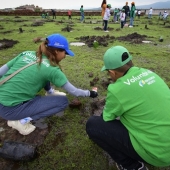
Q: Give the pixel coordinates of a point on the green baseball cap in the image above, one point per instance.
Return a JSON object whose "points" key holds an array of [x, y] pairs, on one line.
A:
{"points": [[109, 5], [113, 58]]}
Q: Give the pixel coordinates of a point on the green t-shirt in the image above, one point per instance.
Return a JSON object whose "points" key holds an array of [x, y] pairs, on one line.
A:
{"points": [[132, 11], [81, 10], [142, 100], [27, 83]]}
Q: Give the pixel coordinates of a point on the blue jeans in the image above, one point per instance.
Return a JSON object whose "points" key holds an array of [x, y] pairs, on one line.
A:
{"points": [[113, 137], [131, 21], [105, 25], [149, 16], [115, 18], [36, 108], [82, 16]]}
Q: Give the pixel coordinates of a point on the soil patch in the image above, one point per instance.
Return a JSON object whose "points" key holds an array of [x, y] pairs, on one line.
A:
{"points": [[105, 40], [5, 43], [99, 28], [167, 26], [133, 38], [68, 28], [101, 40]]}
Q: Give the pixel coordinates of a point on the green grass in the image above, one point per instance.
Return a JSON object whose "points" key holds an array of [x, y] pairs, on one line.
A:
{"points": [[67, 146]]}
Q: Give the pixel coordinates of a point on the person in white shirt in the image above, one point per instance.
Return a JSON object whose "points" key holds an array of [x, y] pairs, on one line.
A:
{"points": [[150, 13], [106, 17], [139, 12], [165, 15], [122, 18]]}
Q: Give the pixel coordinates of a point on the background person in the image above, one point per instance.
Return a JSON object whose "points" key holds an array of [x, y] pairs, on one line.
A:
{"points": [[165, 15], [103, 6], [127, 11], [81, 13], [135, 124], [132, 14], [19, 102], [53, 13], [122, 18], [150, 13], [118, 14], [115, 14], [139, 12], [69, 14], [106, 17]]}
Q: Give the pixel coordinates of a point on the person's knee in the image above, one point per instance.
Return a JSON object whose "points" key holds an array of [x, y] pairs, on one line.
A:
{"points": [[90, 122], [94, 126], [93, 122], [65, 101]]}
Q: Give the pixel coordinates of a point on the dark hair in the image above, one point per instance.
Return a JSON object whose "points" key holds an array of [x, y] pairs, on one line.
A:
{"points": [[104, 2]]}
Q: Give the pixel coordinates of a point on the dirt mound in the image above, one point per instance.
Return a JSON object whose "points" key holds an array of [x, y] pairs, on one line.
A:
{"points": [[99, 28], [133, 38], [105, 40], [102, 40], [5, 43], [68, 28]]}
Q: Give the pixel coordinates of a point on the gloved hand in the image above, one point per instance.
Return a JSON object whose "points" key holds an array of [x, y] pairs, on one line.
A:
{"points": [[93, 94]]}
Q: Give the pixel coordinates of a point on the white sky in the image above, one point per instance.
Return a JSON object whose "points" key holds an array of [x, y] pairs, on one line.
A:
{"points": [[72, 4]]}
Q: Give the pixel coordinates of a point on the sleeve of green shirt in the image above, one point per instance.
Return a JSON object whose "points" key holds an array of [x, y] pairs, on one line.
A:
{"points": [[112, 108]]}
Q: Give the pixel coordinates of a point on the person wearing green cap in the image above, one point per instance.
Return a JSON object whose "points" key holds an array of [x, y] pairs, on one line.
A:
{"points": [[81, 13], [106, 17], [135, 124]]}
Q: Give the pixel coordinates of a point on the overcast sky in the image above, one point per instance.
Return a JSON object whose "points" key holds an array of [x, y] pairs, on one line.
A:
{"points": [[71, 4]]}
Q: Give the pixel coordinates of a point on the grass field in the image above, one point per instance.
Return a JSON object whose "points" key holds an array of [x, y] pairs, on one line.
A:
{"points": [[72, 150]]}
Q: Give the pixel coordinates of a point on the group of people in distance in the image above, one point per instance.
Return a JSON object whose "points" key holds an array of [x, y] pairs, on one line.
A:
{"points": [[121, 15], [134, 125]]}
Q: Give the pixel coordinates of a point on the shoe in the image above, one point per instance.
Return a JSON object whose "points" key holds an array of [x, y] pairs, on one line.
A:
{"points": [[18, 151], [143, 167], [106, 31], [130, 26], [56, 93], [24, 129], [119, 167]]}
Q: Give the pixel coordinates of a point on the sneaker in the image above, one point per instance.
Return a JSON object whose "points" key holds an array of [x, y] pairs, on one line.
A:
{"points": [[55, 93], [23, 129], [143, 167], [130, 26], [119, 167], [106, 31]]}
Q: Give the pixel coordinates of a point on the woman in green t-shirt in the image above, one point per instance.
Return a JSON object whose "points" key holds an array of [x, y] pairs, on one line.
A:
{"points": [[19, 102]]}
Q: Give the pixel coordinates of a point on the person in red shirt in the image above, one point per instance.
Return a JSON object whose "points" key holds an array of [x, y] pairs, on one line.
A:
{"points": [[69, 14]]}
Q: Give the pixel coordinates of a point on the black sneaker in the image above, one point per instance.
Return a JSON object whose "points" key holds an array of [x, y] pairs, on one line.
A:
{"points": [[143, 167], [119, 167]]}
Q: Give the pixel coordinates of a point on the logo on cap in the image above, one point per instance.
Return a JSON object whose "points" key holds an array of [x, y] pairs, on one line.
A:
{"points": [[58, 44]]}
